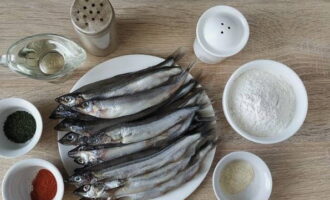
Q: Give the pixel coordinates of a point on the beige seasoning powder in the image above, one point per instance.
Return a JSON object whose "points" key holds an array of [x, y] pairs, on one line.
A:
{"points": [[236, 176]]}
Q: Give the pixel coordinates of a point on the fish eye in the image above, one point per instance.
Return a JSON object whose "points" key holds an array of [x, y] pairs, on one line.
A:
{"points": [[80, 161], [70, 137], [86, 187], [85, 104], [77, 179], [67, 99]]}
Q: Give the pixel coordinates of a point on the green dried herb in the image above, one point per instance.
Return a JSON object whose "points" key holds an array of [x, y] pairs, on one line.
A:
{"points": [[19, 127]]}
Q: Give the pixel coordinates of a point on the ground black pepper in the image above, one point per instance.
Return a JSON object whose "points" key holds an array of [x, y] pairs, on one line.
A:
{"points": [[20, 126]]}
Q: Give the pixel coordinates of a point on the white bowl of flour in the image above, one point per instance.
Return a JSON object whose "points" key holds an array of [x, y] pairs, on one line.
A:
{"points": [[265, 101]]}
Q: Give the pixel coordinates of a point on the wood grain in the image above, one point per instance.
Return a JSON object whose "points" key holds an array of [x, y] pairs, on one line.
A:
{"points": [[295, 32]]}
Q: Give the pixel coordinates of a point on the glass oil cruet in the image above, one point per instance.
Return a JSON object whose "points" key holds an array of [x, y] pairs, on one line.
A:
{"points": [[44, 56]]}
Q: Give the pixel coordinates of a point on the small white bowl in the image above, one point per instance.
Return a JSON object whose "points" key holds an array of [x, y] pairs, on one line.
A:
{"points": [[259, 189], [17, 183], [8, 106], [298, 88]]}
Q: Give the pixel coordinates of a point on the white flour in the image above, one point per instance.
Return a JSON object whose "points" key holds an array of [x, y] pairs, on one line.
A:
{"points": [[262, 103]]}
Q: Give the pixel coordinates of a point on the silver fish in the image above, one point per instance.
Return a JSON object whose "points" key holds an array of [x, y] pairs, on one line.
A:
{"points": [[150, 180], [175, 182], [149, 185], [70, 99], [172, 132], [63, 111], [82, 130], [121, 160], [144, 129], [95, 191], [88, 155], [133, 184], [72, 138], [136, 167], [130, 104], [169, 61], [86, 128], [145, 81]]}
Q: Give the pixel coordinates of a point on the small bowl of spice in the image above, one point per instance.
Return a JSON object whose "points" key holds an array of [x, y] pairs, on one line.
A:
{"points": [[21, 127], [34, 179], [242, 176]]}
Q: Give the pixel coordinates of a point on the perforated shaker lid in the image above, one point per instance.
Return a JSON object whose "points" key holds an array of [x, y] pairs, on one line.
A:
{"points": [[91, 16], [222, 31]]}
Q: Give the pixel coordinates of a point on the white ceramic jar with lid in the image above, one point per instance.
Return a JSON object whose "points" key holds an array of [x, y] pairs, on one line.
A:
{"points": [[221, 31]]}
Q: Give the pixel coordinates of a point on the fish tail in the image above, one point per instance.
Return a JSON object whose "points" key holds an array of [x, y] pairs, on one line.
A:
{"points": [[190, 66], [177, 54], [184, 74], [204, 105], [198, 76]]}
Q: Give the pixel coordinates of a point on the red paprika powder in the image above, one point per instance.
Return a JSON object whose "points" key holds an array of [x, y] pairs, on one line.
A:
{"points": [[44, 186]]}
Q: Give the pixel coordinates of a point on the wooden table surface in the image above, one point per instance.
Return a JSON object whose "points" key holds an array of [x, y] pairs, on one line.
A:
{"points": [[296, 33]]}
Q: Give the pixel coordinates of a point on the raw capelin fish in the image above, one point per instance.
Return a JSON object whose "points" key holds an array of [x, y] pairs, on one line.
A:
{"points": [[139, 82], [121, 160], [147, 180], [89, 155], [175, 129], [144, 129], [114, 85], [137, 183], [166, 173], [83, 130], [150, 185], [86, 128], [173, 183], [169, 154], [130, 104], [63, 111], [73, 138]]}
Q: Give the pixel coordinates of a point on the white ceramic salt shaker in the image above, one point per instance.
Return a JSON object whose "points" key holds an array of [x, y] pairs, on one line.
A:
{"points": [[221, 31]]}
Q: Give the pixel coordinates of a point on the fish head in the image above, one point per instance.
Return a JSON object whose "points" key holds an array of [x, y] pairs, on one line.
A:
{"points": [[71, 138], [96, 190], [87, 158], [86, 107], [77, 127], [74, 153], [82, 179], [64, 125], [58, 112], [83, 155], [70, 99], [70, 125]]}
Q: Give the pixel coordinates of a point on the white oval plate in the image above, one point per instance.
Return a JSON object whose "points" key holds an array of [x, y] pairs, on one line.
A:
{"points": [[120, 65]]}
